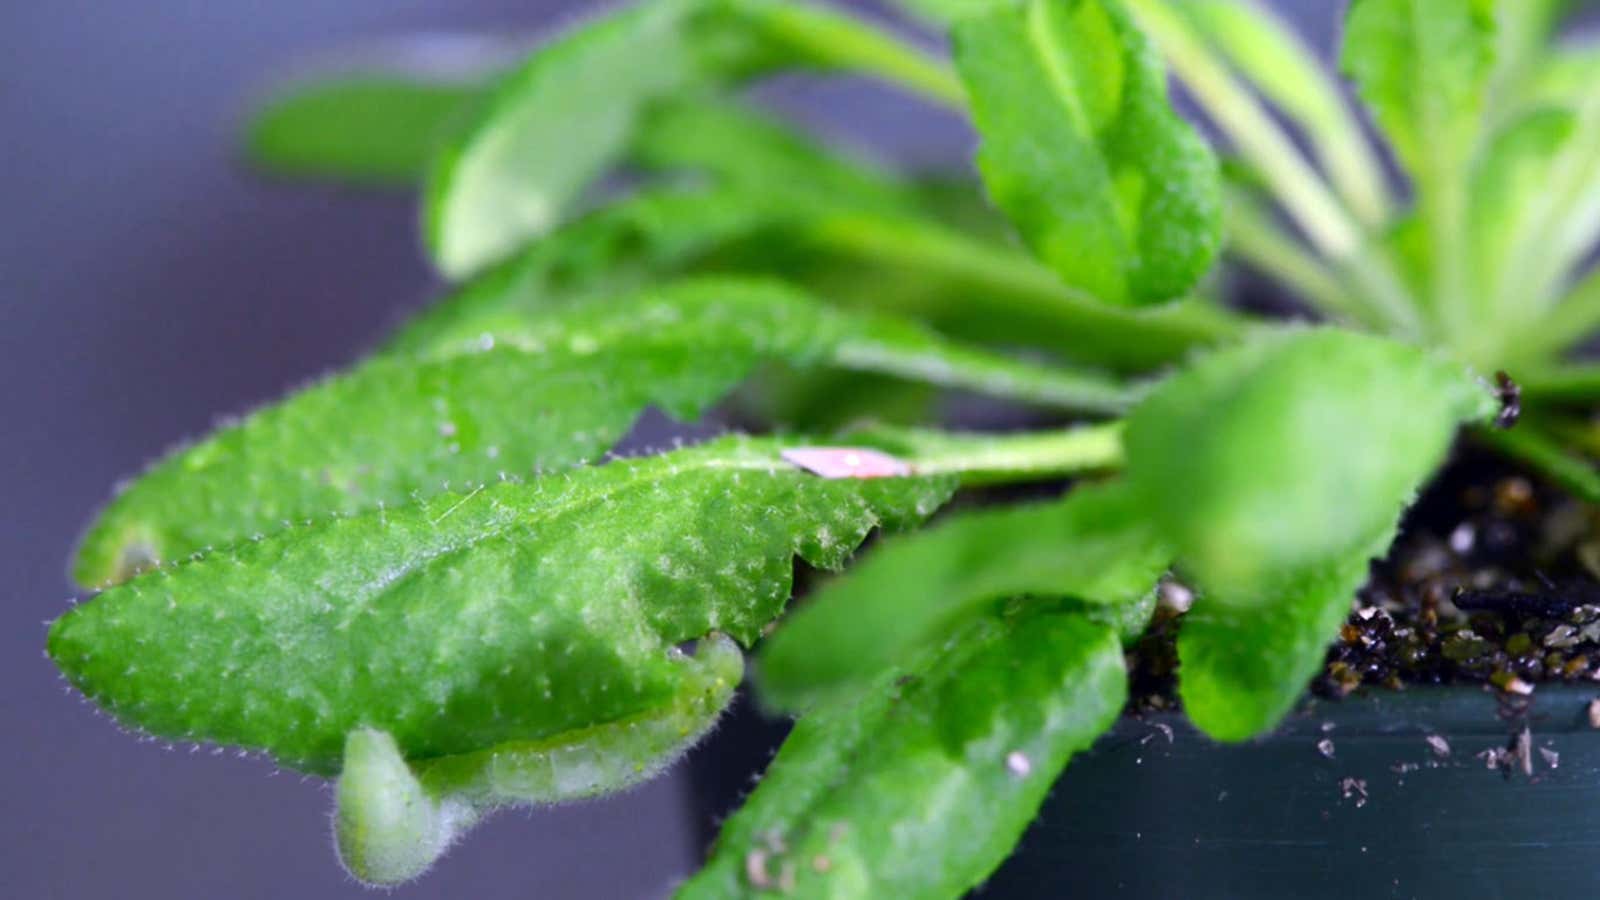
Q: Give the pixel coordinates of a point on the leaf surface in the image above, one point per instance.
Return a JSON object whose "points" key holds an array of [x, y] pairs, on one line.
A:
{"points": [[1278, 469], [921, 786], [1246, 660], [1523, 31], [515, 612]]}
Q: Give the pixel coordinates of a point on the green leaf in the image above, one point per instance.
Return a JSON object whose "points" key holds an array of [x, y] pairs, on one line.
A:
{"points": [[921, 786], [1080, 148], [367, 129], [1514, 169], [966, 286], [1422, 67], [551, 129], [1523, 29], [394, 821], [515, 612], [1546, 453], [992, 293], [627, 246], [1094, 546], [1549, 257], [1562, 75], [567, 116], [530, 392], [1245, 659], [1293, 452], [1278, 469], [1571, 321]]}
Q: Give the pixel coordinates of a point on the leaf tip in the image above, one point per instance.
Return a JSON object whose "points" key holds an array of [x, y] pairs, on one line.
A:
{"points": [[388, 828]]}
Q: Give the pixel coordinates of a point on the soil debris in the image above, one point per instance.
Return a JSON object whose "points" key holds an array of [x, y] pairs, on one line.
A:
{"points": [[1354, 789], [1509, 393], [1174, 596], [1522, 750], [1496, 758], [1018, 764], [755, 869], [1493, 580], [1162, 729]]}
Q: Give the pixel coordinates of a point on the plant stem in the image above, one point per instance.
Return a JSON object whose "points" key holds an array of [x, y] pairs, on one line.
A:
{"points": [[1016, 287], [1053, 386], [1574, 319], [1274, 60], [1563, 384], [837, 41], [993, 459], [1256, 239], [1374, 276], [1545, 454]]}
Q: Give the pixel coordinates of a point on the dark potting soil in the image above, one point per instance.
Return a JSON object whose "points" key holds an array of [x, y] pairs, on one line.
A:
{"points": [[1495, 579]]}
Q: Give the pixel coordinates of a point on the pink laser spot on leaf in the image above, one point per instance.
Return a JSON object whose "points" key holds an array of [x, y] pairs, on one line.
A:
{"points": [[847, 462]]}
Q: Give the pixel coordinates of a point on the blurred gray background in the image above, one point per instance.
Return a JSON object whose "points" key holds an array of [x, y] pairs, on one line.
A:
{"points": [[149, 285]]}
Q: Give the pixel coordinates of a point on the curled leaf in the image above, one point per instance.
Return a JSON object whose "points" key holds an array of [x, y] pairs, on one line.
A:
{"points": [[395, 818], [389, 829], [568, 115], [550, 129], [515, 612]]}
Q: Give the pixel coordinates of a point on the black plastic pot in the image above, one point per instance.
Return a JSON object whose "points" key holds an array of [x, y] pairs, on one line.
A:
{"points": [[1419, 793]]}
